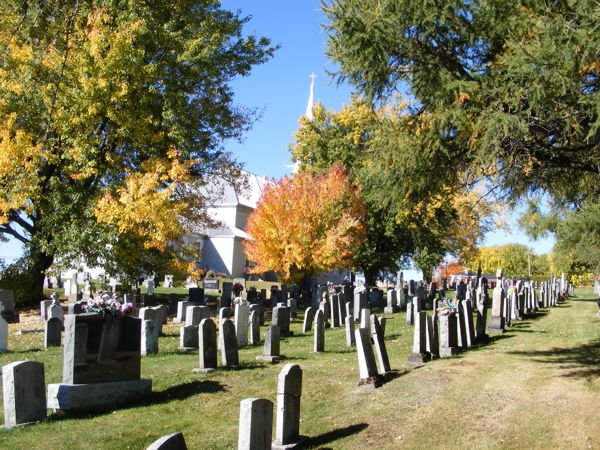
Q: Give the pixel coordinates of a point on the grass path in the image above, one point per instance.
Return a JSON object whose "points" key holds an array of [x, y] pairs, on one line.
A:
{"points": [[537, 386]]}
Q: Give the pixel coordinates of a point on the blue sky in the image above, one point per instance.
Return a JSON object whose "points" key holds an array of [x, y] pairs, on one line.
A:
{"points": [[279, 90]]}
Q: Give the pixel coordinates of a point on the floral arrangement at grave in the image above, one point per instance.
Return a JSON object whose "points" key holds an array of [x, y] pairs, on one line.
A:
{"points": [[333, 288], [360, 289], [237, 288], [447, 307], [108, 305], [240, 301]]}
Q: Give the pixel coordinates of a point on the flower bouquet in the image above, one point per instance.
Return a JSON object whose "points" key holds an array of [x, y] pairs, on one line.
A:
{"points": [[447, 308], [107, 304], [237, 288]]}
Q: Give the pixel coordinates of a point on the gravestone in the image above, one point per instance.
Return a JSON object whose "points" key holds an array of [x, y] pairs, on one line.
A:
{"points": [[254, 329], [188, 337], [280, 316], [448, 335], [173, 441], [75, 308], [256, 424], [496, 323], [468, 320], [150, 288], [367, 369], [23, 393], [419, 353], [383, 361], [319, 337], [195, 314], [431, 344], [325, 306], [3, 332], [55, 310], [52, 330], [271, 347], [360, 302], [101, 364], [349, 331], [461, 331], [392, 302], [410, 314], [149, 342], [289, 392], [181, 310], [365, 318], [292, 303], [196, 295], [207, 346], [227, 295], [335, 310], [481, 322], [44, 306], [241, 324], [309, 316], [228, 344], [382, 322], [375, 297]]}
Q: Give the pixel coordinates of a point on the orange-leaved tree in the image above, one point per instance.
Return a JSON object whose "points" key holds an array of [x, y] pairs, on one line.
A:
{"points": [[305, 224]]}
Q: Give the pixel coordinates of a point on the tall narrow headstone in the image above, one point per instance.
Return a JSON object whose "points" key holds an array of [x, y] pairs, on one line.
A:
{"points": [[228, 344], [280, 316], [383, 361], [431, 345], [309, 317], [241, 324], [360, 302], [335, 310], [181, 310], [149, 342], [271, 348], [367, 369], [410, 314], [289, 391], [23, 393], [448, 335], [349, 331], [256, 424], [419, 353], [319, 337], [468, 321], [254, 326], [207, 346], [496, 323], [365, 318], [52, 330]]}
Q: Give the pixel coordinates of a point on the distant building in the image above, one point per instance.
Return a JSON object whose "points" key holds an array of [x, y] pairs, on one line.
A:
{"points": [[222, 247]]}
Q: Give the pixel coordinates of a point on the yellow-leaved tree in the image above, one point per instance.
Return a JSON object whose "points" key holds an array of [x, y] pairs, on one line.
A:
{"points": [[305, 224], [109, 111]]}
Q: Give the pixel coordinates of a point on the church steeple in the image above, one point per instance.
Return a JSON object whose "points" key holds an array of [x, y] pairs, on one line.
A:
{"points": [[311, 97]]}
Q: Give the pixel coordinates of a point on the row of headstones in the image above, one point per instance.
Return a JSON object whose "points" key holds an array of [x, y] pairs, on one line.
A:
{"points": [[256, 418]]}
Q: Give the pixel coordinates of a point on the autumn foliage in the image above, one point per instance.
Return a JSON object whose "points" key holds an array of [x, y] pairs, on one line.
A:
{"points": [[306, 223]]}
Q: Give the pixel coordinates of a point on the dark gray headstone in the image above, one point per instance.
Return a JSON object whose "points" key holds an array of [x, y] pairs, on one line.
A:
{"points": [[228, 344], [173, 441], [309, 317], [23, 393], [52, 330], [207, 345]]}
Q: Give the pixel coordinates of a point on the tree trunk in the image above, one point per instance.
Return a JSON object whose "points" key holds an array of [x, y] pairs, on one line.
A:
{"points": [[370, 277], [39, 263]]}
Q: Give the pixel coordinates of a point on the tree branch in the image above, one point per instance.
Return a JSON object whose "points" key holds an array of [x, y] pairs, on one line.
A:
{"points": [[8, 230]]}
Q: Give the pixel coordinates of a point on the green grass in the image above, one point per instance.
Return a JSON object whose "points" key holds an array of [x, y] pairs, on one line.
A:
{"points": [[537, 386]]}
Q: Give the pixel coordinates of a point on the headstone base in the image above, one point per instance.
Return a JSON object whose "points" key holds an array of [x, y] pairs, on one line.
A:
{"points": [[418, 359], [446, 352], [270, 359], [207, 370], [391, 309], [297, 444], [79, 397], [371, 382], [496, 325]]}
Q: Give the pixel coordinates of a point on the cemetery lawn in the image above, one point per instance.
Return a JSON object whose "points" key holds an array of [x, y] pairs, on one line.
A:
{"points": [[536, 386]]}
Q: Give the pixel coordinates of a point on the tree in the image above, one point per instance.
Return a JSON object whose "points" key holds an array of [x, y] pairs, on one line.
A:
{"points": [[515, 260], [578, 239], [450, 219], [305, 224], [108, 110], [508, 91]]}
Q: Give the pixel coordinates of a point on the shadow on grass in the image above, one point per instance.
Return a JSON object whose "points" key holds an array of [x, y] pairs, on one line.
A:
{"points": [[331, 436], [578, 362], [179, 392]]}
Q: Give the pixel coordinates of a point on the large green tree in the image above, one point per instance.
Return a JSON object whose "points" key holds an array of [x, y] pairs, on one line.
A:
{"points": [[450, 219], [507, 90], [108, 111]]}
